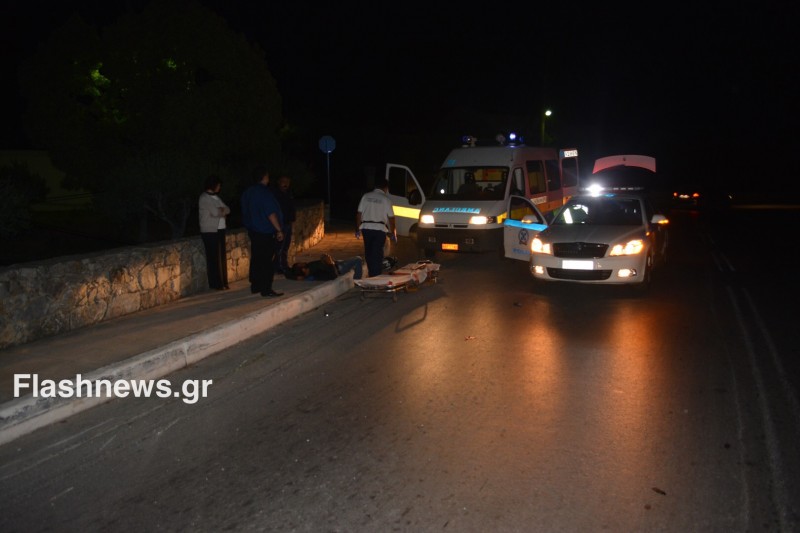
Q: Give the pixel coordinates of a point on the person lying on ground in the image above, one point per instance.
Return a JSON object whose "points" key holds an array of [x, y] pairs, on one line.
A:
{"points": [[326, 268]]}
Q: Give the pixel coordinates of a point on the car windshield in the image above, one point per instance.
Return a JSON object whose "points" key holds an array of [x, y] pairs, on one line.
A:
{"points": [[601, 211], [470, 183]]}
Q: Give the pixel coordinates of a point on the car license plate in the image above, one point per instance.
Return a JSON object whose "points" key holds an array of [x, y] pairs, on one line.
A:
{"points": [[577, 265], [449, 247]]}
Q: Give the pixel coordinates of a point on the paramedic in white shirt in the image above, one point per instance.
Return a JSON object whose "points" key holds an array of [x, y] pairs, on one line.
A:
{"points": [[374, 221]]}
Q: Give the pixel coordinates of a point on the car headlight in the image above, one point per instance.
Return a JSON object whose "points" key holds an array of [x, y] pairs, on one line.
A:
{"points": [[540, 247], [629, 248], [426, 219]]}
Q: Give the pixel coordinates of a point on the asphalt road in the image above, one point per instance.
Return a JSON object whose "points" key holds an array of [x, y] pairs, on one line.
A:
{"points": [[482, 403]]}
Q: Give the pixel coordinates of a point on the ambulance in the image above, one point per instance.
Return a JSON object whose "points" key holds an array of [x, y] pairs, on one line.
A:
{"points": [[496, 197]]}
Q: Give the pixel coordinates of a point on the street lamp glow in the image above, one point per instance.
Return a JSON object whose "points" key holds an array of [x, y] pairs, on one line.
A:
{"points": [[547, 113]]}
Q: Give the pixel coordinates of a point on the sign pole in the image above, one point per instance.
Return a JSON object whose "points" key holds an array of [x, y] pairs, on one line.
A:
{"points": [[328, 157], [327, 144]]}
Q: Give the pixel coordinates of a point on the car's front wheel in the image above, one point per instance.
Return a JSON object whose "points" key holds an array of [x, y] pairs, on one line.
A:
{"points": [[647, 276], [663, 256]]}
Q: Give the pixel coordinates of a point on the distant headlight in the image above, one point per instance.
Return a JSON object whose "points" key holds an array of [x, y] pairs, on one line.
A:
{"points": [[539, 247], [629, 248], [426, 219]]}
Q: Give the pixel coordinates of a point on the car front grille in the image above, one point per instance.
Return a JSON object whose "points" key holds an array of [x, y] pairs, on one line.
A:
{"points": [[579, 250], [579, 275]]}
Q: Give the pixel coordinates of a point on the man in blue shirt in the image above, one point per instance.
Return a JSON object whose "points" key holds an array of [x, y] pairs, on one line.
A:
{"points": [[283, 195], [262, 217]]}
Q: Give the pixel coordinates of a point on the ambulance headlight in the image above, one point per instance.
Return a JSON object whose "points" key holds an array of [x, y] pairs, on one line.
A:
{"points": [[538, 246], [481, 220], [426, 219]]}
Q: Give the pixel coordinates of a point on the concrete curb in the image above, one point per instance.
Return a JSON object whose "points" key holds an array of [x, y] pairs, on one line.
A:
{"points": [[26, 414]]}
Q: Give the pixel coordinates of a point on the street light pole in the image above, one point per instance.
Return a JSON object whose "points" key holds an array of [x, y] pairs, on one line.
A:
{"points": [[546, 114]]}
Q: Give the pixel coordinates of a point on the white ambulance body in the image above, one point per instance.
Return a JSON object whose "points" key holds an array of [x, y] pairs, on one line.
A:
{"points": [[488, 198]]}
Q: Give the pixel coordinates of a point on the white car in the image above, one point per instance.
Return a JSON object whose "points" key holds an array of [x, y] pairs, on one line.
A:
{"points": [[612, 238]]}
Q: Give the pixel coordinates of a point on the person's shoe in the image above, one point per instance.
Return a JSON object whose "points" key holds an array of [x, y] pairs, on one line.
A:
{"points": [[253, 290], [271, 294]]}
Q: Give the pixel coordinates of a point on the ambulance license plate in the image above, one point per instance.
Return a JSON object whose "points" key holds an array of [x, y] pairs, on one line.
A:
{"points": [[449, 247]]}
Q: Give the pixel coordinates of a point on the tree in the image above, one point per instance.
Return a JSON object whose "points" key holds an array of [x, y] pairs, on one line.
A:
{"points": [[19, 187], [143, 111]]}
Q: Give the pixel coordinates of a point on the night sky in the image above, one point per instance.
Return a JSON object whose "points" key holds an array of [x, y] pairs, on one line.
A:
{"points": [[709, 90]]}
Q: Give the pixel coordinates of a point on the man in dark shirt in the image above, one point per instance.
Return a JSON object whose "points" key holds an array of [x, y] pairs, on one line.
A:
{"points": [[285, 199], [261, 215]]}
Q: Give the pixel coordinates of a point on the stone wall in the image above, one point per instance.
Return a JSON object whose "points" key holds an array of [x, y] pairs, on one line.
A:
{"points": [[46, 298]]}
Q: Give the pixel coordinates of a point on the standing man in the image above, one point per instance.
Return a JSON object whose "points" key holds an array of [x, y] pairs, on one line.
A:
{"points": [[212, 211], [285, 199], [374, 220], [261, 215]]}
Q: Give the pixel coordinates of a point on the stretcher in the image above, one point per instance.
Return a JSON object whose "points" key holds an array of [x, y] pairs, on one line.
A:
{"points": [[405, 278]]}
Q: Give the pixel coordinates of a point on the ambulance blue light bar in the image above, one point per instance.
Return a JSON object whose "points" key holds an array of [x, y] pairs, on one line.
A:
{"points": [[511, 140], [514, 139], [468, 140]]}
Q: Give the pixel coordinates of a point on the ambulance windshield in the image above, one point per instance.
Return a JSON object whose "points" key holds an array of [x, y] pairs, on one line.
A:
{"points": [[470, 183]]}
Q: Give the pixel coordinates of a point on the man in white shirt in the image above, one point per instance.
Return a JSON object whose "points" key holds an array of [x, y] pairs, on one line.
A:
{"points": [[375, 220], [212, 211]]}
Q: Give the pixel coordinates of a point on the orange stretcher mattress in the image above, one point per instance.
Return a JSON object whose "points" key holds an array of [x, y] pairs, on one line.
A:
{"points": [[412, 273]]}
